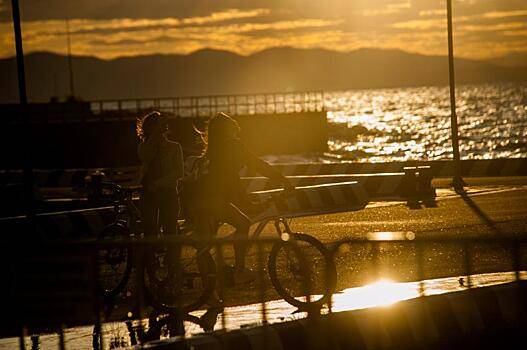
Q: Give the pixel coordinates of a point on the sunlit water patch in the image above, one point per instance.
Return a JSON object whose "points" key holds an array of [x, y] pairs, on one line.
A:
{"points": [[414, 123]]}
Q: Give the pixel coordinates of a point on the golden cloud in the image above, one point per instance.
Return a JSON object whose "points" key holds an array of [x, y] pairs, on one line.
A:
{"points": [[505, 14], [387, 10], [493, 27], [128, 37], [433, 12], [421, 24], [57, 27], [516, 33]]}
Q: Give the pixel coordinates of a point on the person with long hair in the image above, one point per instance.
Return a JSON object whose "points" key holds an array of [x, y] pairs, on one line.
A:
{"points": [[218, 198], [162, 168]]}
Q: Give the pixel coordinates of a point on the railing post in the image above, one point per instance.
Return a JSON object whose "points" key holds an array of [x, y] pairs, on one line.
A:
{"points": [[516, 260], [21, 341], [62, 340], [420, 270], [375, 258], [35, 342], [467, 262]]}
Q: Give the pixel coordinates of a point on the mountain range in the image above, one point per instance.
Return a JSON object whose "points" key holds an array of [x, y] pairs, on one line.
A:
{"points": [[212, 72]]}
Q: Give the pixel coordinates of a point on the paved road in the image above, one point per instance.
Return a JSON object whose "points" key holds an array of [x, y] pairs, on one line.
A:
{"points": [[487, 210]]}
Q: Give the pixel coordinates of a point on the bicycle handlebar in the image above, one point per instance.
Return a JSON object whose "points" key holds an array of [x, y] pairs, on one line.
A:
{"points": [[118, 192]]}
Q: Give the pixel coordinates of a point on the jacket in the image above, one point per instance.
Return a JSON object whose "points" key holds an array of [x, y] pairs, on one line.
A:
{"points": [[162, 163]]}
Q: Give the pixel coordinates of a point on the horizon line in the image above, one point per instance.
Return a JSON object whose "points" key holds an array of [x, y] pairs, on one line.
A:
{"points": [[260, 52]]}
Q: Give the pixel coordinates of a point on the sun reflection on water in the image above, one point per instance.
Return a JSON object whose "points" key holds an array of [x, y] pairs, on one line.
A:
{"points": [[414, 123]]}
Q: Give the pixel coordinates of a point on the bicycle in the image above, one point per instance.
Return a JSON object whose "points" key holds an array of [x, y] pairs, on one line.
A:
{"points": [[159, 265], [189, 278]]}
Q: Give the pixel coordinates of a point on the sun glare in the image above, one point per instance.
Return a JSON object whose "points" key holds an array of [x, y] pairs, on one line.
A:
{"points": [[383, 292]]}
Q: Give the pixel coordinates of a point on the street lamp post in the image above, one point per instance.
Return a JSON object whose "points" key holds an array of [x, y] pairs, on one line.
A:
{"points": [[457, 182]]}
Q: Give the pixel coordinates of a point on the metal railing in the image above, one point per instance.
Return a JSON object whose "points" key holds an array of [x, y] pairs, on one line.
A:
{"points": [[372, 250], [206, 106]]}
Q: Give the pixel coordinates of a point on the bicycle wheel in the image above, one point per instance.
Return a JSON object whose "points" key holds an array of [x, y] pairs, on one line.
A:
{"points": [[303, 269], [179, 279], [115, 264]]}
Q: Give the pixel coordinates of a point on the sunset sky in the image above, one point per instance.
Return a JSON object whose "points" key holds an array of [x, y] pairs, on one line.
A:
{"points": [[112, 28]]}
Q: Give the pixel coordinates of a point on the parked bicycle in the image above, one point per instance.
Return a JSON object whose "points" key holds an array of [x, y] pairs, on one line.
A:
{"points": [[157, 262], [181, 276]]}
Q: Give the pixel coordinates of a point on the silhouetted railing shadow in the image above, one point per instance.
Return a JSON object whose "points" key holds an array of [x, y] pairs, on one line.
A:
{"points": [[480, 213]]}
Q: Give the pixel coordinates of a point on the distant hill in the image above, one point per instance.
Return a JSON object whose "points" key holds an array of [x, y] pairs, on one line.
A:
{"points": [[518, 59], [219, 72]]}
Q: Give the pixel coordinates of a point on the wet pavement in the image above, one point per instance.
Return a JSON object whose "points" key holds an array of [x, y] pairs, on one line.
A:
{"points": [[381, 293]]}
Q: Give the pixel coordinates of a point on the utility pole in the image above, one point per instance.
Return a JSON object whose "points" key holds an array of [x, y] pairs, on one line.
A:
{"points": [[70, 66], [457, 181], [22, 95], [25, 118], [26, 142]]}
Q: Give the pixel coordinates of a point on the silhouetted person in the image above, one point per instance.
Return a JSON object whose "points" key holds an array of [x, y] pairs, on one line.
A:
{"points": [[214, 198], [162, 168]]}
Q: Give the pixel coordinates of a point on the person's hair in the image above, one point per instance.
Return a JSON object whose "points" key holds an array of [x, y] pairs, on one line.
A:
{"points": [[218, 130], [144, 125]]}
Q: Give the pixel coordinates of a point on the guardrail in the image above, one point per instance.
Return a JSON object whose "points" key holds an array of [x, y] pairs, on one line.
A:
{"points": [[441, 168], [33, 307], [414, 184], [206, 106]]}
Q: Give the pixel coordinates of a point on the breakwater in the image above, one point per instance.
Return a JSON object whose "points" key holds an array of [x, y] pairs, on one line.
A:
{"points": [[108, 139]]}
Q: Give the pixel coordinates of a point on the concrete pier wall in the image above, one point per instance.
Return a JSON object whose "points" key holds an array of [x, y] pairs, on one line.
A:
{"points": [[109, 140]]}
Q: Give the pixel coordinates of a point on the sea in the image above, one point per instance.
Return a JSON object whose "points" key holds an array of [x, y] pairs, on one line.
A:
{"points": [[413, 123]]}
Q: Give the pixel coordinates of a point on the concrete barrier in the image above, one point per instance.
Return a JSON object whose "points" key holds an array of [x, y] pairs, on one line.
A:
{"points": [[441, 168], [470, 167], [312, 200], [309, 200], [59, 225], [413, 183]]}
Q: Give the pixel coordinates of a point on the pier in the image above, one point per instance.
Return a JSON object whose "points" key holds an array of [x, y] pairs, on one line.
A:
{"points": [[102, 133]]}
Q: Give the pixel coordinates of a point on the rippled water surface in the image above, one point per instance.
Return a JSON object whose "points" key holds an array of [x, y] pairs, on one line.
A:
{"points": [[414, 123]]}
